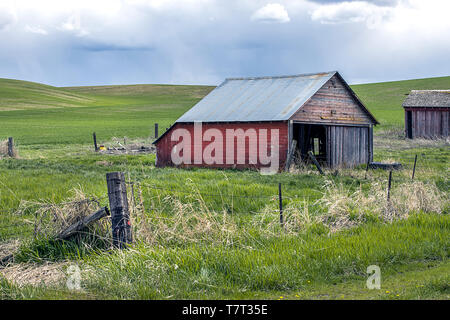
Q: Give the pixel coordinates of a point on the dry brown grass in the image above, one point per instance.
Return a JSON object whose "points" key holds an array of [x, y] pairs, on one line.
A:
{"points": [[174, 221], [419, 196], [8, 247], [52, 218], [182, 223], [296, 218], [394, 139], [35, 274], [104, 163], [347, 209], [342, 208], [301, 166]]}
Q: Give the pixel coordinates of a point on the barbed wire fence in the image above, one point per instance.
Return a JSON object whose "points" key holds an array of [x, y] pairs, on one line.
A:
{"points": [[188, 193], [136, 201]]}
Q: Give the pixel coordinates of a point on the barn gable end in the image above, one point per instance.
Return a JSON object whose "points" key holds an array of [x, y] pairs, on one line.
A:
{"points": [[333, 103]]}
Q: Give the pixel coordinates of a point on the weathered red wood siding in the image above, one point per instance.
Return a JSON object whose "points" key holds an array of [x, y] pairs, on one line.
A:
{"points": [[428, 122], [333, 104], [164, 146]]}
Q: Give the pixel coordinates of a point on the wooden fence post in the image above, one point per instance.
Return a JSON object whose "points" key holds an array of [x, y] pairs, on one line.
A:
{"points": [[11, 147], [389, 186], [280, 198], [414, 169], [95, 141], [156, 131], [311, 155], [118, 203]]}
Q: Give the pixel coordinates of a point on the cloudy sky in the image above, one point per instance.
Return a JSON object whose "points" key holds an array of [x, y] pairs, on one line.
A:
{"points": [[90, 42]]}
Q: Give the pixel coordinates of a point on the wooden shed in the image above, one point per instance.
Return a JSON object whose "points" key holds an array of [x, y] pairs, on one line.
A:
{"points": [[427, 114], [320, 111]]}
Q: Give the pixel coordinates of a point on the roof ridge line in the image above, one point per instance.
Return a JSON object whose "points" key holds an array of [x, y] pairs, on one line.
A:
{"points": [[282, 76]]}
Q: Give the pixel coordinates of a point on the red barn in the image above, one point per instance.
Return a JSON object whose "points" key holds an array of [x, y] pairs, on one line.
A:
{"points": [[251, 123]]}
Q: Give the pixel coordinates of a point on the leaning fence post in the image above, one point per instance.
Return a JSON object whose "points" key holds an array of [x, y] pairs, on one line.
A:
{"points": [[95, 141], [280, 198], [156, 131], [389, 186], [11, 147], [118, 203], [313, 158], [414, 169], [290, 155]]}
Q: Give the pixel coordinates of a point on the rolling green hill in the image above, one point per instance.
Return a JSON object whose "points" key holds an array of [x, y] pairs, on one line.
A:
{"points": [[34, 113], [24, 95]]}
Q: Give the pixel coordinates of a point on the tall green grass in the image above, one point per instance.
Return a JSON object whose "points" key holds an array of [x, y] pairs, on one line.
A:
{"points": [[282, 263]]}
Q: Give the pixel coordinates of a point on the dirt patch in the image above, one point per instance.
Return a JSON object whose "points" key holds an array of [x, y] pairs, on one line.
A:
{"points": [[391, 140], [104, 163], [133, 149], [32, 274], [127, 146]]}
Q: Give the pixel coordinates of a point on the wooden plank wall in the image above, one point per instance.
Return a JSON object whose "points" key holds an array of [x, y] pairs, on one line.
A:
{"points": [[429, 123], [348, 146], [333, 103]]}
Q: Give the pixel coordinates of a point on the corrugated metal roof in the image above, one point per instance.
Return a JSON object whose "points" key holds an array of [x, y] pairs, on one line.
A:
{"points": [[257, 99], [428, 99]]}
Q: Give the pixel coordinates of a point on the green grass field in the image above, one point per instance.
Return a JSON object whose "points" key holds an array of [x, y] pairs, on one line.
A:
{"points": [[214, 234], [65, 116]]}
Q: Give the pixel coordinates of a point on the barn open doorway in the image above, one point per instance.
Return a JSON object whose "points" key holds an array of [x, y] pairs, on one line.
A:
{"points": [[311, 137], [409, 124]]}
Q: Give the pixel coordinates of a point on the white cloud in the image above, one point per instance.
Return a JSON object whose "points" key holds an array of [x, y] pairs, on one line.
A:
{"points": [[272, 13], [170, 4], [351, 12], [7, 16], [421, 18], [73, 24], [36, 29], [405, 16]]}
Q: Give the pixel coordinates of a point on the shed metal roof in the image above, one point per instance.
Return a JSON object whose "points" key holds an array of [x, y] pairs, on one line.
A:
{"points": [[428, 99], [257, 99]]}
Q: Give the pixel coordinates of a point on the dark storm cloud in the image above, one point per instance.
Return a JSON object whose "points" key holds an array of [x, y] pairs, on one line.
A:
{"points": [[98, 46], [205, 41]]}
